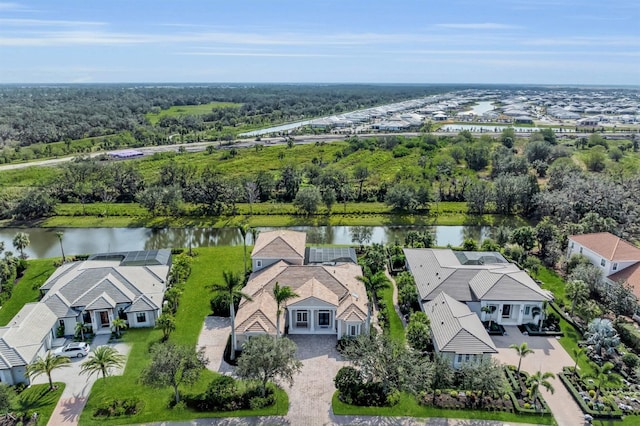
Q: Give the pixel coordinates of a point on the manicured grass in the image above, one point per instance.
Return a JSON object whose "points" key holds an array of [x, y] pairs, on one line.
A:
{"points": [[207, 268], [409, 407], [396, 329], [38, 398], [554, 282], [177, 111], [27, 288]]}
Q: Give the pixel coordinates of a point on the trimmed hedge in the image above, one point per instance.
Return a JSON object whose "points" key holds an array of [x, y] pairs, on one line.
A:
{"points": [[515, 385], [614, 414]]}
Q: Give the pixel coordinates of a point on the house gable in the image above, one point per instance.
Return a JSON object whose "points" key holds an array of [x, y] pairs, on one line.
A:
{"points": [[310, 302]]}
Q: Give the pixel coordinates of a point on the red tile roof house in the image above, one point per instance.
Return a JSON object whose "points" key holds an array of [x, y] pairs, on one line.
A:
{"points": [[331, 299], [618, 259]]}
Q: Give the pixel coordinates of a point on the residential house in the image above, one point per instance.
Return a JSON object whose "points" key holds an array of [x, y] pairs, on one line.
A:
{"points": [[127, 285], [457, 334], [619, 260], [331, 300], [489, 286]]}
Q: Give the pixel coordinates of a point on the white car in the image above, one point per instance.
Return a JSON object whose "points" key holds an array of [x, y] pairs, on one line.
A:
{"points": [[75, 349]]}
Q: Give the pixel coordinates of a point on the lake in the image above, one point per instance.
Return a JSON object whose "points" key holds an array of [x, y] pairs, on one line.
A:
{"points": [[44, 242]]}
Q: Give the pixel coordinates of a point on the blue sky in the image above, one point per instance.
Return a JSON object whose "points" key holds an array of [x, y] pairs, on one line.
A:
{"points": [[364, 41]]}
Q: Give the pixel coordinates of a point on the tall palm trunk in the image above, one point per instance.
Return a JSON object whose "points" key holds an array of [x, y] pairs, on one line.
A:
{"points": [[232, 314]]}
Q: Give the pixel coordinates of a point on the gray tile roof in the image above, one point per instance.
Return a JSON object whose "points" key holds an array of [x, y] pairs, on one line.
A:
{"points": [[9, 357], [59, 306], [28, 328], [455, 328], [484, 275], [517, 285], [116, 290], [101, 302], [141, 304]]}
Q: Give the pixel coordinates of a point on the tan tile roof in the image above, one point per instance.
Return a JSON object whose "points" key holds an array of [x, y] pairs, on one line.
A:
{"points": [[314, 288], [608, 246], [630, 275], [280, 244], [336, 285]]}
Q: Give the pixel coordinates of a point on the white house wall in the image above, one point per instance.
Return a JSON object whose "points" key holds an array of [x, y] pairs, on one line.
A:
{"points": [[518, 315], [69, 325], [597, 260], [132, 319]]}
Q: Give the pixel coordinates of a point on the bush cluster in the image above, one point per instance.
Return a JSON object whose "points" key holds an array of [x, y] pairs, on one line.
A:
{"points": [[119, 407], [226, 394], [355, 391]]}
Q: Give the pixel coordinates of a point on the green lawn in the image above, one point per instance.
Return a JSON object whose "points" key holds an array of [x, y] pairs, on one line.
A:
{"points": [[26, 290], [38, 398], [408, 406], [396, 329], [207, 268], [553, 282]]}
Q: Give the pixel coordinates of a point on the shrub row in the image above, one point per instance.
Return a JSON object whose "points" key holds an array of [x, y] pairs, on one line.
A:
{"points": [[614, 414]]}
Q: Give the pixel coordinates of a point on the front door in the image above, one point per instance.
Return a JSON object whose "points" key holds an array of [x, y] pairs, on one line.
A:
{"points": [[104, 318], [506, 311]]}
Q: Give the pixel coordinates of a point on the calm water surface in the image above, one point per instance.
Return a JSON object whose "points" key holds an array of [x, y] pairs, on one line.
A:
{"points": [[44, 242]]}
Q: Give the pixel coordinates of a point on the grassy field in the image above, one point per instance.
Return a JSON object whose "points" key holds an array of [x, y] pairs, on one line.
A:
{"points": [[26, 290], [409, 407], [207, 268], [38, 398], [178, 111]]}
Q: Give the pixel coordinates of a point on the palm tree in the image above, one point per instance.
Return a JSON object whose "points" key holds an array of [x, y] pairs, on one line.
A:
{"points": [[167, 323], [103, 359], [117, 325], [522, 350], [488, 310], [539, 379], [373, 283], [577, 354], [21, 242], [46, 365], [603, 377], [244, 229], [59, 234], [80, 330], [281, 294], [231, 288]]}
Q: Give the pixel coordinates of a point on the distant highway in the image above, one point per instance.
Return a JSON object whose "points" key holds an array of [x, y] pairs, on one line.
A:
{"points": [[240, 143]]}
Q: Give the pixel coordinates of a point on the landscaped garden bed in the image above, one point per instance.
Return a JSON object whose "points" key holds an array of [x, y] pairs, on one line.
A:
{"points": [[584, 394], [533, 330], [493, 328]]}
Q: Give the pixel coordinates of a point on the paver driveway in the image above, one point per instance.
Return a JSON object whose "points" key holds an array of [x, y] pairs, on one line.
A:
{"points": [[548, 355], [75, 394]]}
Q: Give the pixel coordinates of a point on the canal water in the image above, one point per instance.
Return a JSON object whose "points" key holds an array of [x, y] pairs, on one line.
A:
{"points": [[45, 243]]}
